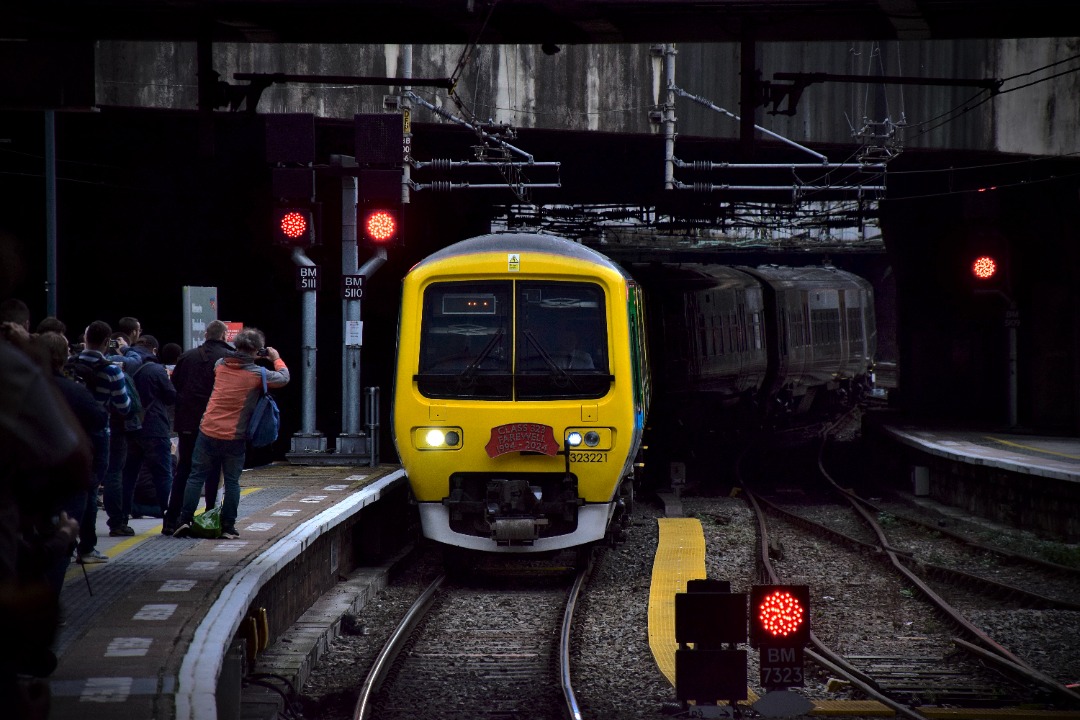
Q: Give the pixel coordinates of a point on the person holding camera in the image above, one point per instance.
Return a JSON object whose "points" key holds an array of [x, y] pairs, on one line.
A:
{"points": [[124, 431], [193, 377], [238, 383]]}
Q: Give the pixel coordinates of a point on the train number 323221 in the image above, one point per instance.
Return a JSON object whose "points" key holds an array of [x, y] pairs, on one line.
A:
{"points": [[588, 457]]}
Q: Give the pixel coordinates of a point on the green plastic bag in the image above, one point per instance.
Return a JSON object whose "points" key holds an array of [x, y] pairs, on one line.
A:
{"points": [[207, 524]]}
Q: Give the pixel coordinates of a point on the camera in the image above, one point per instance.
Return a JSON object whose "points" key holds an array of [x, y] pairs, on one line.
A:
{"points": [[263, 352], [114, 344]]}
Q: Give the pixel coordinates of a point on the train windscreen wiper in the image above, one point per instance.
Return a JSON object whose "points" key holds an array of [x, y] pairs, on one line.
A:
{"points": [[472, 367], [561, 377]]}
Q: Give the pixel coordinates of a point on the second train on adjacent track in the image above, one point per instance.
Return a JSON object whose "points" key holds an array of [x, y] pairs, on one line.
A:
{"points": [[523, 375]]}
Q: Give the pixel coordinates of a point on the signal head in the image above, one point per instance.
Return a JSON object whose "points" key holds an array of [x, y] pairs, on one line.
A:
{"points": [[380, 225], [984, 267], [779, 615], [294, 226]]}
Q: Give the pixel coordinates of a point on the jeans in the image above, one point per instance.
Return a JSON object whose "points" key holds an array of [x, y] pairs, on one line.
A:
{"points": [[184, 450], [208, 454], [83, 506], [117, 491], [156, 454]]}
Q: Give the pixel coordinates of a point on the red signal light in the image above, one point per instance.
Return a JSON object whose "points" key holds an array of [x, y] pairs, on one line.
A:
{"points": [[779, 615], [380, 226], [294, 225], [984, 267]]}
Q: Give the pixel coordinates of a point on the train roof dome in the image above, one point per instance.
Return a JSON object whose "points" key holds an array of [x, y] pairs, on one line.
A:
{"points": [[523, 242]]}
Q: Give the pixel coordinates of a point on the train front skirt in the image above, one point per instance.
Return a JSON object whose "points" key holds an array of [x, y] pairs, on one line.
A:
{"points": [[592, 524]]}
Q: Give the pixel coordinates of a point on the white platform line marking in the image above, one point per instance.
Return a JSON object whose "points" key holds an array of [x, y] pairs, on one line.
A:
{"points": [[230, 546], [128, 647], [162, 611], [177, 585]]}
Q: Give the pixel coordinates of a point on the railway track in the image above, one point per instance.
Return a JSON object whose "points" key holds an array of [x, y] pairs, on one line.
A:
{"points": [[953, 661], [496, 648]]}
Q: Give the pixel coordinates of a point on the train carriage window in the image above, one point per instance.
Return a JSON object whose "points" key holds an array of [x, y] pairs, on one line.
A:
{"points": [[465, 341], [561, 341]]}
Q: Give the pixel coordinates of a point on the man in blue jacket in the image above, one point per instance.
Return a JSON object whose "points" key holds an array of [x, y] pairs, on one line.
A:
{"points": [[150, 444]]}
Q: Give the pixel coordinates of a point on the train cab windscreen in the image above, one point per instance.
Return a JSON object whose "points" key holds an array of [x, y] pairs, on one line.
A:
{"points": [[475, 342]]}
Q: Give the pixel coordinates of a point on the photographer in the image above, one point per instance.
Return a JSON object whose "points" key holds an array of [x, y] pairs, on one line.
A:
{"points": [[238, 383]]}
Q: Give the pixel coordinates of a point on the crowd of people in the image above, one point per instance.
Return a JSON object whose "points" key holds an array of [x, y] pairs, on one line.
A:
{"points": [[108, 414]]}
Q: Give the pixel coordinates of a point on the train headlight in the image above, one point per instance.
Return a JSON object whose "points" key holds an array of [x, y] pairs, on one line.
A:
{"points": [[593, 438], [437, 438]]}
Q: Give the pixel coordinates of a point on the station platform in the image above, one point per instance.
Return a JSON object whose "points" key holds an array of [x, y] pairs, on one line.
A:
{"points": [[1020, 480], [164, 628], [1050, 457]]}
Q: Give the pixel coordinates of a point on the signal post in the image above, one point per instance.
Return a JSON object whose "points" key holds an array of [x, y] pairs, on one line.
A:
{"points": [[295, 224], [372, 201]]}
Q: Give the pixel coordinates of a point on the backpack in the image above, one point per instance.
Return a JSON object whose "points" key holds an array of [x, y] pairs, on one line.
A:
{"points": [[87, 374], [134, 418], [265, 421], [83, 372]]}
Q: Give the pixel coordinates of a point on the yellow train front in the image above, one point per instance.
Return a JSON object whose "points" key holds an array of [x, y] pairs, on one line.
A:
{"points": [[520, 393]]}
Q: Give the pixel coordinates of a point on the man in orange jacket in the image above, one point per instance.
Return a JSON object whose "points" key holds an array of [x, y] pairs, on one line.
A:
{"points": [[223, 431]]}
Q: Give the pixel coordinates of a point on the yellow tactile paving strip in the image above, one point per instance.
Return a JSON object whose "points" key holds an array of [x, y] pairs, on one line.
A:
{"points": [[680, 556]]}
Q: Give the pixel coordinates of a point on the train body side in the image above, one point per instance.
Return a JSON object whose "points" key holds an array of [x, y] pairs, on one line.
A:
{"points": [[821, 320], [737, 348], [509, 347]]}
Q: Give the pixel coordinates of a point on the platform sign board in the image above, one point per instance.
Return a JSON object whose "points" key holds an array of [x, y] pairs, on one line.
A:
{"points": [[200, 307]]}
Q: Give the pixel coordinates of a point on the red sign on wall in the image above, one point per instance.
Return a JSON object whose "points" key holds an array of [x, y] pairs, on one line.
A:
{"points": [[232, 329], [522, 437]]}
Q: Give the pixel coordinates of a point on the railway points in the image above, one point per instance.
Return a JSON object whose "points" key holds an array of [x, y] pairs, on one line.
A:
{"points": [[679, 558], [165, 628]]}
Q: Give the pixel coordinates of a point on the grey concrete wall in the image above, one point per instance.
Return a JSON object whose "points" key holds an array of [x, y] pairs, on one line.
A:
{"points": [[612, 88]]}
